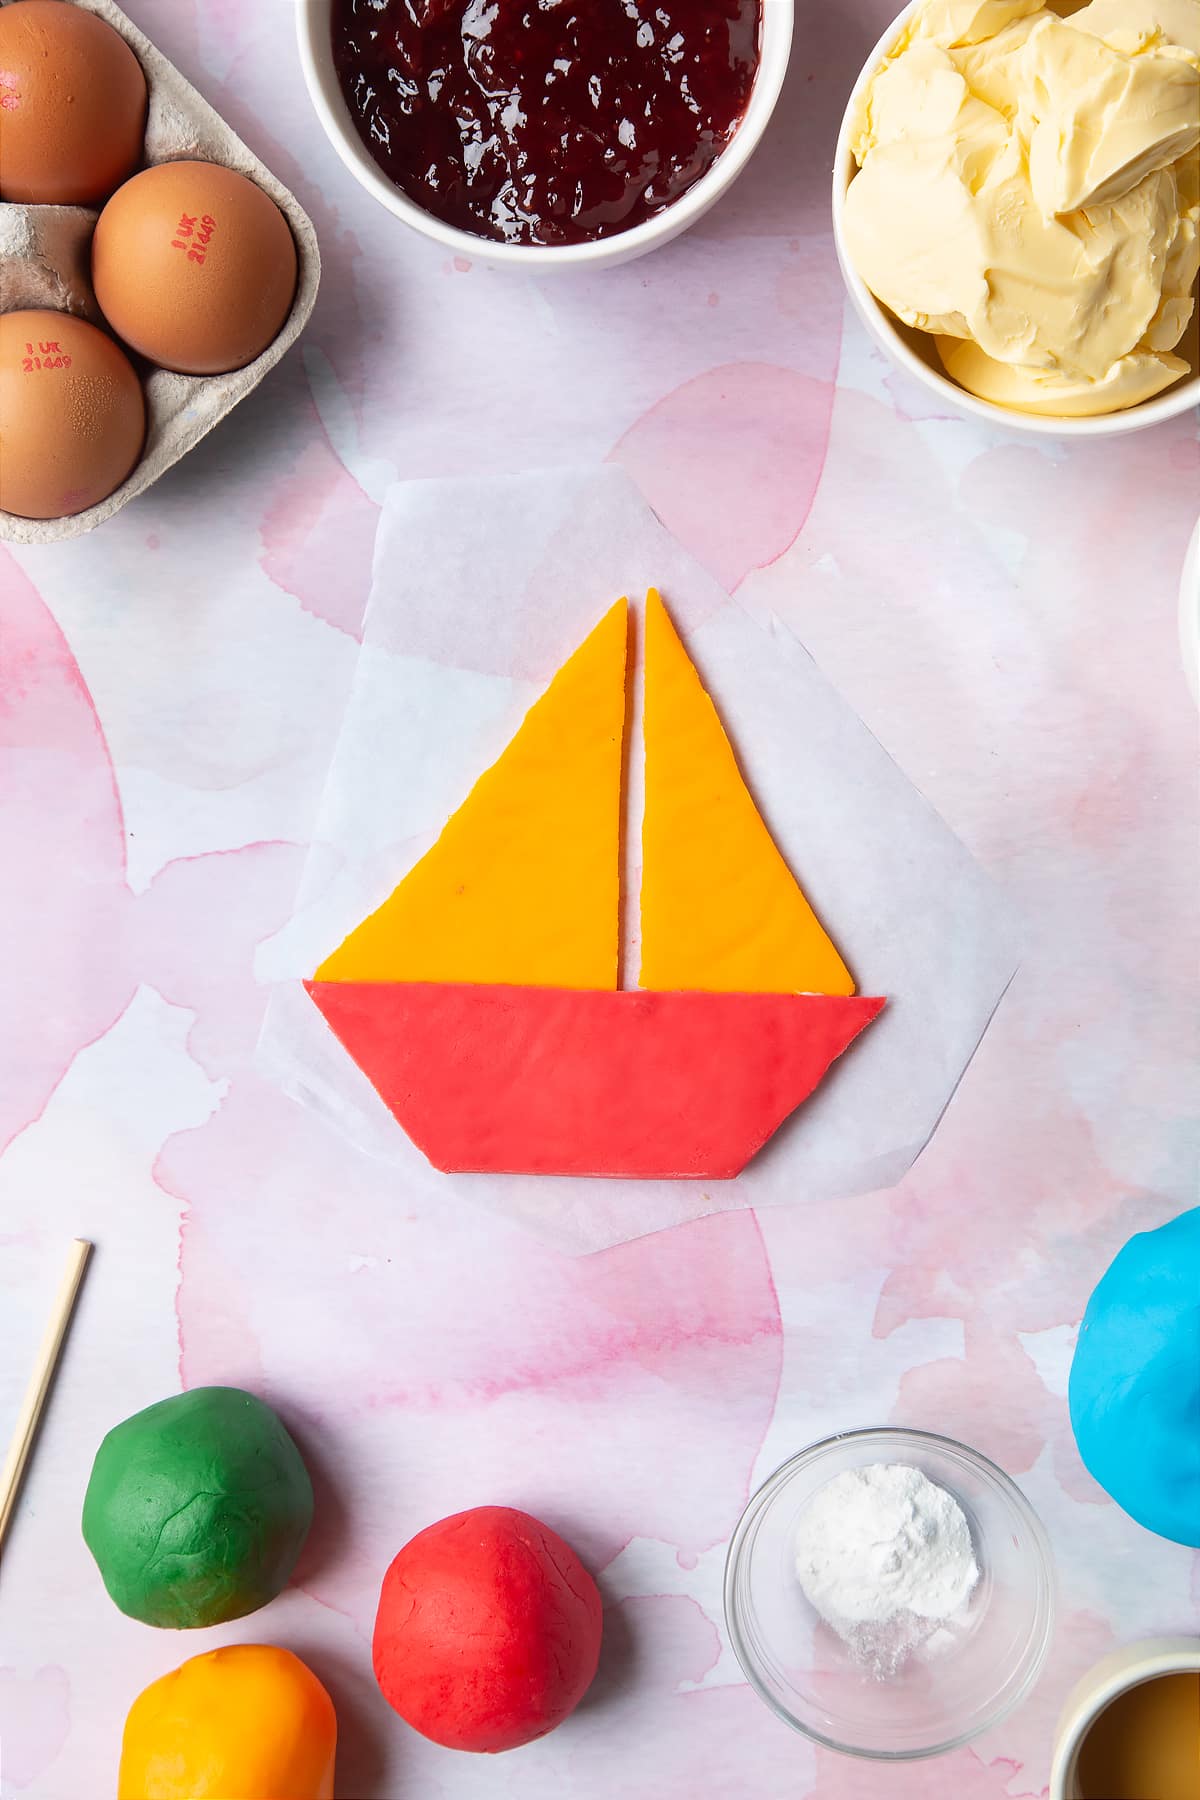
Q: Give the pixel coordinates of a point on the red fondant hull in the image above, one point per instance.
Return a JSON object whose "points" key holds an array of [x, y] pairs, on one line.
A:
{"points": [[556, 1081]]}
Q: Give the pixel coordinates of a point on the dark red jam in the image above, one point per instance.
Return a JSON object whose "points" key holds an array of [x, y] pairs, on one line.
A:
{"points": [[546, 121]]}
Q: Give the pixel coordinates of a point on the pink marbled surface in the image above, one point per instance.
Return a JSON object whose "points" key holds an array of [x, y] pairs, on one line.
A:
{"points": [[1003, 617]]}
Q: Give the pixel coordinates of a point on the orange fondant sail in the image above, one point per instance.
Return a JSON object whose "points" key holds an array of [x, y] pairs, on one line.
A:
{"points": [[523, 884], [721, 910]]}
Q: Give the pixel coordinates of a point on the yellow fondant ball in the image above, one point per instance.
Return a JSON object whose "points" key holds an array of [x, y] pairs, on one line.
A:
{"points": [[247, 1723]]}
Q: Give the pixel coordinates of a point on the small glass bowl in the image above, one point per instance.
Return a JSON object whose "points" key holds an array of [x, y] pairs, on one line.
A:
{"points": [[963, 1680]]}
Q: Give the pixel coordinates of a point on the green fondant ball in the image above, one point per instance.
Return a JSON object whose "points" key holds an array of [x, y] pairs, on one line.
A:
{"points": [[197, 1509]]}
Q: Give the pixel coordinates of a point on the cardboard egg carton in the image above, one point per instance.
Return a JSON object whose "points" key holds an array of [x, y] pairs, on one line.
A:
{"points": [[45, 255]]}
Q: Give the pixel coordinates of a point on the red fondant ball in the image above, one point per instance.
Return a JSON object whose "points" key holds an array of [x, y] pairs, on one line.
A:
{"points": [[488, 1631]]}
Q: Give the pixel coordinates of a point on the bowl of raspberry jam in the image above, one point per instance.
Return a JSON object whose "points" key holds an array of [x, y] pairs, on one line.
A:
{"points": [[549, 133]]}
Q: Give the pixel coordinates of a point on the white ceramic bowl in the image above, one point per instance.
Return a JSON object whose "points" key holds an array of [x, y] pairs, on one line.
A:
{"points": [[966, 1680], [1189, 615], [316, 55], [1123, 1670], [915, 350]]}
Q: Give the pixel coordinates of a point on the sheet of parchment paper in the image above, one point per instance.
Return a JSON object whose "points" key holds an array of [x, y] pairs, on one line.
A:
{"points": [[481, 590]]}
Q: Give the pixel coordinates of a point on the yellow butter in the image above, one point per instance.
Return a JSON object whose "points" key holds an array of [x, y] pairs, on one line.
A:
{"points": [[1142, 24], [1029, 185], [1102, 119], [1133, 379]]}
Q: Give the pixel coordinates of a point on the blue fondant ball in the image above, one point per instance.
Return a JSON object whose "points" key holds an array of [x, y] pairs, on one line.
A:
{"points": [[1135, 1380]]}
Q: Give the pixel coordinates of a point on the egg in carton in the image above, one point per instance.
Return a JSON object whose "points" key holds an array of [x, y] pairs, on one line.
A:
{"points": [[45, 256]]}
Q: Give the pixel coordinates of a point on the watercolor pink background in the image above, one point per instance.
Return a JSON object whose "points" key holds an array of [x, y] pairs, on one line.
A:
{"points": [[1002, 615]]}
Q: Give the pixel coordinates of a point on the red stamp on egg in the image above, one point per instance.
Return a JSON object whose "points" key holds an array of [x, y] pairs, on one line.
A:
{"points": [[193, 235], [46, 354]]}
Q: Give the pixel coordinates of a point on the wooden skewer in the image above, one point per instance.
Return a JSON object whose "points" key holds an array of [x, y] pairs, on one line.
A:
{"points": [[40, 1382]]}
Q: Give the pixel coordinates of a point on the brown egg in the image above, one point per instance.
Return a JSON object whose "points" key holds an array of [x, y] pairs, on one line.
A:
{"points": [[194, 267], [72, 105], [72, 415]]}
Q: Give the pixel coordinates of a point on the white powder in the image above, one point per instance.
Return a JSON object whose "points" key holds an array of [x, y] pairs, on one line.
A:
{"points": [[885, 1556]]}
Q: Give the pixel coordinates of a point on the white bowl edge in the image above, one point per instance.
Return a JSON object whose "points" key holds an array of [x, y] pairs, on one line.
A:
{"points": [[1116, 1674], [1171, 405], [1189, 614], [313, 33]]}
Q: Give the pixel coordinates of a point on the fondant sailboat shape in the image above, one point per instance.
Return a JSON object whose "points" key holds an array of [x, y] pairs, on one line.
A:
{"points": [[482, 998]]}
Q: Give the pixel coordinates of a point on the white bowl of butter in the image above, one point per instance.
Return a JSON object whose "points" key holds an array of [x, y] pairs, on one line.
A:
{"points": [[1016, 207]]}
